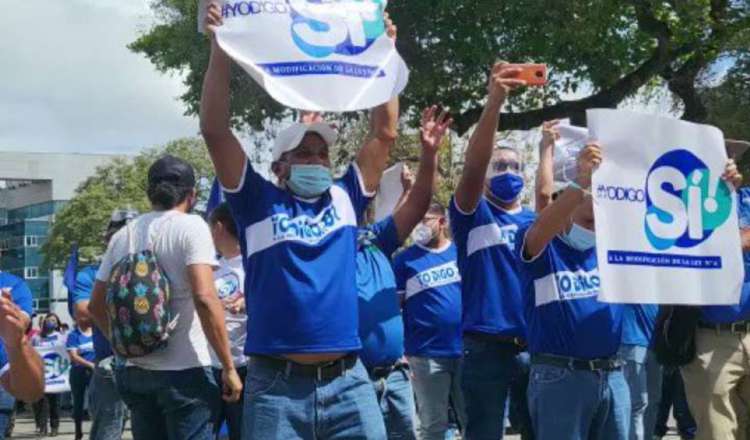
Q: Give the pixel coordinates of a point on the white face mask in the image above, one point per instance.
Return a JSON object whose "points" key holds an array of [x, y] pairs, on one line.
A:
{"points": [[422, 234], [580, 238]]}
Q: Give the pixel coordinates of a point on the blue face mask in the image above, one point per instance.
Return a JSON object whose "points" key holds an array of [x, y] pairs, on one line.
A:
{"points": [[506, 187], [579, 238], [310, 181]]}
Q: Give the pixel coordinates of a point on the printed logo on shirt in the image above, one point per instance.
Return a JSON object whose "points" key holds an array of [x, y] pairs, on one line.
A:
{"points": [[486, 236], [567, 286], [304, 229], [228, 287], [432, 278]]}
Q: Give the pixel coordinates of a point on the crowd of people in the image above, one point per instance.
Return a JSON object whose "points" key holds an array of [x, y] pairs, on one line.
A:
{"points": [[290, 312]]}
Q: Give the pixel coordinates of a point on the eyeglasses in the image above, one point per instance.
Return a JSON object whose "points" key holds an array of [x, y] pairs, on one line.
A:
{"points": [[502, 166]]}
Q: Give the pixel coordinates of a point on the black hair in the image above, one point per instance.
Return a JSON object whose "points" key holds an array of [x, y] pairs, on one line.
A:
{"points": [[167, 195], [222, 214]]}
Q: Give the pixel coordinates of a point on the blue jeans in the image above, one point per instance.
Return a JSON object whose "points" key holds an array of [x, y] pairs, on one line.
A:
{"points": [[396, 399], [106, 406], [643, 375], [7, 406], [488, 372], [570, 404], [173, 405], [281, 406], [673, 399], [437, 385], [230, 412]]}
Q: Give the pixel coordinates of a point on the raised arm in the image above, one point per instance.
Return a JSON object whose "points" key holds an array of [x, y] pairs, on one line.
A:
{"points": [[479, 152], [25, 377], [373, 156], [545, 176], [555, 217], [409, 213], [225, 150]]}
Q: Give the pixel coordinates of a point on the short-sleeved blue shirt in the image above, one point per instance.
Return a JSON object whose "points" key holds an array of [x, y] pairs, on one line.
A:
{"points": [[84, 344], [85, 279], [486, 242], [300, 264], [380, 326]]}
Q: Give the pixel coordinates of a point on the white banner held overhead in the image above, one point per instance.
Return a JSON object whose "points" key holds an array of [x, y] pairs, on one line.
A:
{"points": [[666, 224], [56, 368], [318, 55]]}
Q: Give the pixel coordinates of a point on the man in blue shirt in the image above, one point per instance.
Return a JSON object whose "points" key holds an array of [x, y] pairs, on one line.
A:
{"points": [[298, 238], [577, 390], [21, 368], [428, 279], [642, 371], [381, 327], [107, 408], [716, 380], [485, 215]]}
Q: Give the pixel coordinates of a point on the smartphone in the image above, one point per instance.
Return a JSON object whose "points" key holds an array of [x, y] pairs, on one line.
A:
{"points": [[533, 74]]}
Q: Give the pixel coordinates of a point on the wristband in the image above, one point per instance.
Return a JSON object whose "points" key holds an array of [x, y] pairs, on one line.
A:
{"points": [[573, 184]]}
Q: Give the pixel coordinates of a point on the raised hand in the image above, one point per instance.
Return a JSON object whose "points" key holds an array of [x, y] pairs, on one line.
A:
{"points": [[307, 117], [390, 28], [213, 19], [503, 79], [550, 133], [13, 322], [433, 128], [588, 160], [732, 174]]}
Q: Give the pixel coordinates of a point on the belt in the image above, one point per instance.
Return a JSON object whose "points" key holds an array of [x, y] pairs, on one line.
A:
{"points": [[606, 364], [377, 373], [739, 327], [325, 371], [485, 337]]}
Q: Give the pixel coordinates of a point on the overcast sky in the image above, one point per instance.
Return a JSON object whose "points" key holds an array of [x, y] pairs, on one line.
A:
{"points": [[68, 83]]}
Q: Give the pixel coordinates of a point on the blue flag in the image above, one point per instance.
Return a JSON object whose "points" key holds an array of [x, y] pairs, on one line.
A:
{"points": [[69, 277], [216, 197]]}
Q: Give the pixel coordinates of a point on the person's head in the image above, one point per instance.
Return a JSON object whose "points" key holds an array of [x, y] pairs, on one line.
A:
{"points": [[171, 184], [434, 227], [300, 159], [51, 323], [83, 321], [580, 231], [504, 181], [119, 218], [224, 231]]}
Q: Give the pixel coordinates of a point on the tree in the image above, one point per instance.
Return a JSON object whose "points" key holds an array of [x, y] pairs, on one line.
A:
{"points": [[120, 184], [613, 48]]}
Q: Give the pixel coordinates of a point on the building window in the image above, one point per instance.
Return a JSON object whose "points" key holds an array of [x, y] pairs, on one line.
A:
{"points": [[30, 273], [32, 241]]}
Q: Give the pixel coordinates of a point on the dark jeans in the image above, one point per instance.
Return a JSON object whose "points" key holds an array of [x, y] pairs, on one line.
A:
{"points": [[80, 378], [230, 412], [47, 410], [106, 406], [7, 408], [673, 398], [489, 371], [171, 405]]}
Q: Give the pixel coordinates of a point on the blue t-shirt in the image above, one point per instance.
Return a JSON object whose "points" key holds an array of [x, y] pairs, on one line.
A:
{"points": [[21, 295], [300, 264], [730, 314], [638, 321], [84, 344], [565, 318], [85, 279], [491, 299], [380, 326], [431, 284]]}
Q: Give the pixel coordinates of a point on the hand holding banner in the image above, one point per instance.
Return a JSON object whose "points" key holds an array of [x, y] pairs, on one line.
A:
{"points": [[666, 223], [318, 55]]}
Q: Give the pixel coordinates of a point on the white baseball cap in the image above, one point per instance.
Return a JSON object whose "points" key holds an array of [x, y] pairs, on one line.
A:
{"points": [[290, 137]]}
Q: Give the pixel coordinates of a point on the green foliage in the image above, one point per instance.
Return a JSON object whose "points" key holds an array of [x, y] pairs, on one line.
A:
{"points": [[120, 184]]}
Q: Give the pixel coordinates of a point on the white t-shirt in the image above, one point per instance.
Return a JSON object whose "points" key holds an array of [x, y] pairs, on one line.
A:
{"points": [[230, 282], [179, 240]]}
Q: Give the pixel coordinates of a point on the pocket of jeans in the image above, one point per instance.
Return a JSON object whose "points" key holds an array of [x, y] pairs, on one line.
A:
{"points": [[548, 374], [257, 384]]}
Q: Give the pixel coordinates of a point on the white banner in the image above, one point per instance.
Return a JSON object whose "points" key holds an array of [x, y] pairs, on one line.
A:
{"points": [[666, 224], [319, 55], [56, 368], [389, 191]]}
